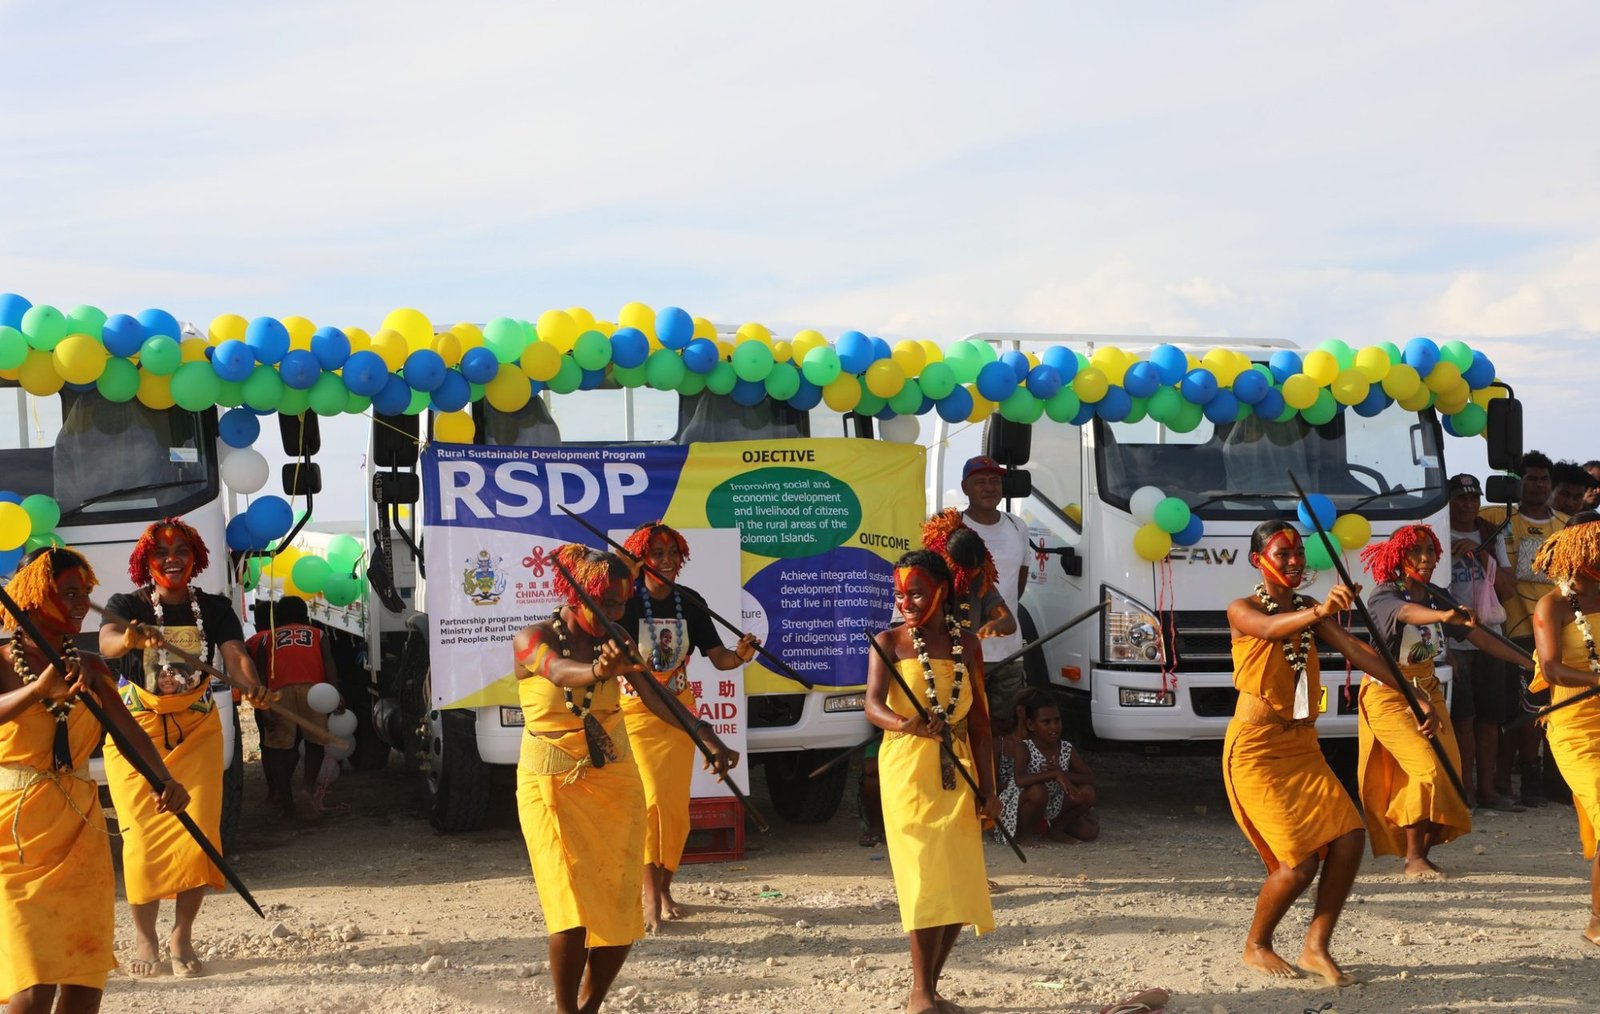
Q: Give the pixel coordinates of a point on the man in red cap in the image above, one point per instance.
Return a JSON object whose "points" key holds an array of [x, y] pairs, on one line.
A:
{"points": [[1006, 538]]}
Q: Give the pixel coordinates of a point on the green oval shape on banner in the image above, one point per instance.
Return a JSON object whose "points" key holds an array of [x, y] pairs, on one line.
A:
{"points": [[786, 512]]}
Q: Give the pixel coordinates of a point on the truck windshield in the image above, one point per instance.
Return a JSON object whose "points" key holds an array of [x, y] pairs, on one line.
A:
{"points": [[103, 460], [1387, 466]]}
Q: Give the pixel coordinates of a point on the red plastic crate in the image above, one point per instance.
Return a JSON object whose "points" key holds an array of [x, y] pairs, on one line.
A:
{"points": [[716, 830]]}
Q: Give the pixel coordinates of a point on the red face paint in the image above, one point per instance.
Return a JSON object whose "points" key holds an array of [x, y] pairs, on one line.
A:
{"points": [[171, 559], [917, 594], [1287, 541]]}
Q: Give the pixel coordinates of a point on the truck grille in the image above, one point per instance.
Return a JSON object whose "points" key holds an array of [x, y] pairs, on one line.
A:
{"points": [[1204, 642]]}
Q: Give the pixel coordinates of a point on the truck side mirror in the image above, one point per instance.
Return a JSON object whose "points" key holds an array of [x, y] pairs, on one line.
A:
{"points": [[394, 440], [1506, 489], [396, 488], [1016, 484], [302, 478], [301, 434], [1504, 433], [1007, 442]]}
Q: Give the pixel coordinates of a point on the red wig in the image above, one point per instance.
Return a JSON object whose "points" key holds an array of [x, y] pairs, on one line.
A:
{"points": [[592, 569], [638, 543], [1383, 559], [936, 533], [139, 562]]}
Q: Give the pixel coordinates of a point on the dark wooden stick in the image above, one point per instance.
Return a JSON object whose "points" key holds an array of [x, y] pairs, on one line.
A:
{"points": [[127, 748], [777, 663], [944, 743], [1381, 643], [1534, 716], [680, 714], [1450, 601]]}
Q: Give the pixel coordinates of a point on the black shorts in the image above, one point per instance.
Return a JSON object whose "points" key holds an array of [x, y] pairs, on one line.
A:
{"points": [[1483, 687]]}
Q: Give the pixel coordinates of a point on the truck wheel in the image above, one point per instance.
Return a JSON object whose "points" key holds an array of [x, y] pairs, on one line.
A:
{"points": [[799, 798], [233, 791], [457, 783], [371, 752]]}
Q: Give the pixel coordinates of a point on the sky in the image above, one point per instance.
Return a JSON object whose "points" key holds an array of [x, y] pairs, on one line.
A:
{"points": [[927, 170]]}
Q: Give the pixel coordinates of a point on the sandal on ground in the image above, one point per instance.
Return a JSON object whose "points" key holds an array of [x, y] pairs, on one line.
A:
{"points": [[191, 969], [143, 968], [1147, 1001]]}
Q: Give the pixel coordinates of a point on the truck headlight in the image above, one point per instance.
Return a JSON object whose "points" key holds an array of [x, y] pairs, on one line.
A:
{"points": [[1131, 631], [844, 702], [1128, 697]]}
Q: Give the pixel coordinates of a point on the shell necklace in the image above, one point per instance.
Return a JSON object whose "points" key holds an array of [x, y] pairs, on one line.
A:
{"points": [[947, 770], [601, 749], [1297, 650]]}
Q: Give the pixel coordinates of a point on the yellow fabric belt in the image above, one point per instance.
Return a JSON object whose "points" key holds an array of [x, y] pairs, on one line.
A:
{"points": [[1253, 710], [23, 778], [958, 730], [543, 757]]}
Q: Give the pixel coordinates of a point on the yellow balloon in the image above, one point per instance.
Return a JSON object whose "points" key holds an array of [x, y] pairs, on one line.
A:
{"points": [[449, 347], [540, 361], [605, 327], [1350, 387], [455, 427], [1112, 362], [885, 378], [1373, 362], [193, 350], [1353, 530], [1300, 391], [391, 345], [38, 375], [1033, 360], [1401, 382], [155, 392], [300, 332], [1484, 395], [753, 332], [1090, 384], [15, 526], [360, 341], [931, 352], [782, 351], [842, 393], [908, 355], [703, 328], [581, 317], [557, 329], [1417, 400], [508, 391], [724, 348], [414, 328], [468, 334], [79, 359], [805, 341], [640, 316], [226, 327], [1152, 543], [1443, 377], [1222, 365], [1321, 366], [982, 408]]}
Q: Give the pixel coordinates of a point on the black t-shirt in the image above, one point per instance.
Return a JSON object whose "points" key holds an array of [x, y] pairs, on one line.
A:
{"points": [[667, 640], [144, 666], [1412, 644]]}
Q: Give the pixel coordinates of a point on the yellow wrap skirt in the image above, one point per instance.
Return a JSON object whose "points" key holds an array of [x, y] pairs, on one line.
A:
{"points": [[1402, 782], [666, 767], [1574, 736]]}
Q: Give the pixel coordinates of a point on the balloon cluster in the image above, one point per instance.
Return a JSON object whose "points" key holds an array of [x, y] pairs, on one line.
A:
{"points": [[291, 365], [26, 523], [335, 574], [1347, 532], [1167, 522]]}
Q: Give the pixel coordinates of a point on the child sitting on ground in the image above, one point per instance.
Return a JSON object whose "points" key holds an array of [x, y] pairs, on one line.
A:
{"points": [[1053, 782]]}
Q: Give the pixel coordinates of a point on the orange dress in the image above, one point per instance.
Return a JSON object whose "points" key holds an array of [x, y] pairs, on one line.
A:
{"points": [[1284, 796], [1574, 736]]}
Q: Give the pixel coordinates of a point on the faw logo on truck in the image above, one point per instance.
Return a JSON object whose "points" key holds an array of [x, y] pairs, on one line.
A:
{"points": [[1200, 554]]}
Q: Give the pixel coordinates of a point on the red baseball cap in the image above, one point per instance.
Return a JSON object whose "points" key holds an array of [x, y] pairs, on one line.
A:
{"points": [[982, 463]]}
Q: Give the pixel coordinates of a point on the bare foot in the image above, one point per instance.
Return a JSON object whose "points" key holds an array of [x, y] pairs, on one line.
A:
{"points": [[670, 909], [1317, 961], [1424, 869], [944, 1006], [1264, 959], [1592, 934], [922, 1003], [652, 912]]}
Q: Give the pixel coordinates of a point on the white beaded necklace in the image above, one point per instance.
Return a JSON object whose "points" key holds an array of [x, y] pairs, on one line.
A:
{"points": [[1579, 620], [1296, 650], [161, 625], [947, 771]]}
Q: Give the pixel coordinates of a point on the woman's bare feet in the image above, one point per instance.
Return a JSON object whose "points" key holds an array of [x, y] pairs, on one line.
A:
{"points": [[670, 909], [921, 1003], [1264, 959], [1317, 961], [651, 904], [1424, 869], [1592, 934]]}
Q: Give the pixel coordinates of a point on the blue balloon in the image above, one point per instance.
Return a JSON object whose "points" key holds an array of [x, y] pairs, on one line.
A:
{"points": [[1062, 359], [1318, 506], [674, 330], [1044, 381], [926, 407], [886, 412], [1271, 404], [807, 397], [701, 355], [996, 381], [233, 361], [748, 392], [365, 373], [479, 365], [1284, 364], [1199, 386], [268, 337], [160, 322], [1018, 362], [1192, 532], [9, 560], [1374, 403], [1085, 414], [1142, 379], [393, 397], [1480, 373], [592, 379], [856, 352], [1421, 354], [452, 394], [6, 496], [1222, 408], [424, 370], [331, 347], [12, 307], [630, 348], [881, 349], [239, 427], [240, 537], [269, 517], [955, 406], [299, 369], [1170, 362], [1250, 387], [1115, 406], [123, 335]]}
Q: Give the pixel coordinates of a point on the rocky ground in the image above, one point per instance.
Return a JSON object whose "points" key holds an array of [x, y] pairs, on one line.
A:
{"points": [[373, 911]]}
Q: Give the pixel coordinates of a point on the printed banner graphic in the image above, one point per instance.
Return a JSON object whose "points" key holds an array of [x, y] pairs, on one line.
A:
{"points": [[821, 522]]}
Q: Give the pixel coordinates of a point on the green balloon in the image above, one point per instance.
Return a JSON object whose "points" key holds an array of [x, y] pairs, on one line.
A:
{"points": [[1165, 404], [1187, 418], [475, 393], [506, 338], [311, 573], [42, 540], [629, 376], [295, 402], [1289, 412], [119, 381], [821, 366], [1172, 515], [263, 389], [752, 361], [1468, 422], [908, 399], [1021, 407], [664, 370], [592, 350], [1342, 353], [343, 553], [568, 377], [86, 319], [1063, 406], [1391, 350], [1139, 409], [418, 404], [985, 351], [230, 393], [340, 589], [356, 404], [721, 378], [43, 511], [1323, 410], [44, 327], [870, 404], [328, 396], [782, 381], [963, 362], [160, 355], [13, 348], [937, 380], [1317, 556], [252, 573], [195, 386], [691, 384], [1457, 353]]}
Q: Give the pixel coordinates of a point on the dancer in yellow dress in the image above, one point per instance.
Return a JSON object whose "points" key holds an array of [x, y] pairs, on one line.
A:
{"points": [[1284, 796], [1563, 633], [666, 632], [578, 791], [172, 702], [931, 819], [55, 864]]}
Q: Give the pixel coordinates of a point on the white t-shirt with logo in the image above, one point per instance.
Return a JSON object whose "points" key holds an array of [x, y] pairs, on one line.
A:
{"points": [[1007, 542]]}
